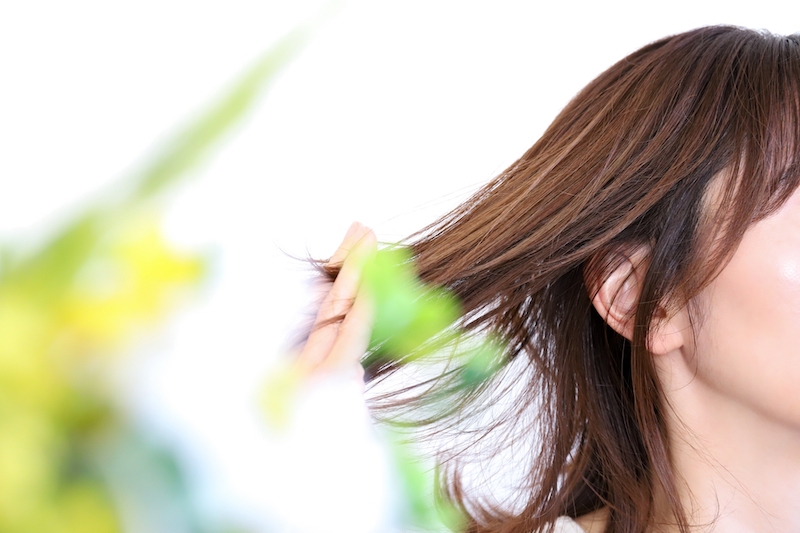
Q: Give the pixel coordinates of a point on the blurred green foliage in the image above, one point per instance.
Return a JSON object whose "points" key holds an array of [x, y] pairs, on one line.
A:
{"points": [[419, 509], [408, 312], [63, 311], [70, 461], [193, 143], [413, 322]]}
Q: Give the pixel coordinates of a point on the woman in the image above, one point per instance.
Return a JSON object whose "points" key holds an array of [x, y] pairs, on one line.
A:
{"points": [[641, 263]]}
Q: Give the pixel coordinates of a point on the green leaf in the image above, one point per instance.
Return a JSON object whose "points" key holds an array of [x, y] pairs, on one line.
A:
{"points": [[408, 312], [188, 148], [482, 362], [46, 274], [419, 508]]}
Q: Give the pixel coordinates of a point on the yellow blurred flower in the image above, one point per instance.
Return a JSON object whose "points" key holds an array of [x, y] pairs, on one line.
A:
{"points": [[132, 282]]}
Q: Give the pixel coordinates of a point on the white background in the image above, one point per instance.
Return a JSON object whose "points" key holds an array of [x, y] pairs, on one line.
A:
{"points": [[392, 114]]}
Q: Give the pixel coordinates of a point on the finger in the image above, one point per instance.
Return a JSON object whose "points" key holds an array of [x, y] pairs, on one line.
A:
{"points": [[354, 233], [344, 289], [337, 302], [353, 336], [331, 305]]}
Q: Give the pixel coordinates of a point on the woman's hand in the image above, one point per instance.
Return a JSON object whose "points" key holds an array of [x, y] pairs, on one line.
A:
{"points": [[335, 345]]}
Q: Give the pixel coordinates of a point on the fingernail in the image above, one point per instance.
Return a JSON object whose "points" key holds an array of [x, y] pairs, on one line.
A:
{"points": [[352, 229]]}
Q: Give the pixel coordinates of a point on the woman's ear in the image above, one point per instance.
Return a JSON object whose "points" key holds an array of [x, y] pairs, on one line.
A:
{"points": [[617, 297]]}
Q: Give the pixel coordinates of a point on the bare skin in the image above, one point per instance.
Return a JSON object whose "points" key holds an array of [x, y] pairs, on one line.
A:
{"points": [[339, 345], [731, 383]]}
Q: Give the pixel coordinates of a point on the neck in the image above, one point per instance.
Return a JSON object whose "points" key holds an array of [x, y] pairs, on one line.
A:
{"points": [[738, 470]]}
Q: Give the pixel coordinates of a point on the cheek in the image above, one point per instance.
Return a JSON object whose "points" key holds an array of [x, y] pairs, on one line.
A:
{"points": [[788, 289], [748, 348]]}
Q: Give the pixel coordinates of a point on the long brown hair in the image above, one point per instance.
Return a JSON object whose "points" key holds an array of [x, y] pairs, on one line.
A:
{"points": [[627, 163]]}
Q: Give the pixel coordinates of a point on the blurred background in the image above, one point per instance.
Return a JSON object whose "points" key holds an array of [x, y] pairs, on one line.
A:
{"points": [[160, 163]]}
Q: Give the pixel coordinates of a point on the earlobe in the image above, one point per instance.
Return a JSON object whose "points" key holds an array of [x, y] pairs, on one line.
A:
{"points": [[668, 332]]}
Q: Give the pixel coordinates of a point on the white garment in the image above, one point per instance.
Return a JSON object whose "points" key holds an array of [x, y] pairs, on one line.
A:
{"points": [[565, 524]]}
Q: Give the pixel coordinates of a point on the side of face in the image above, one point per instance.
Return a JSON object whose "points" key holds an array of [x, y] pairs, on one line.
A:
{"points": [[746, 348], [748, 344]]}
